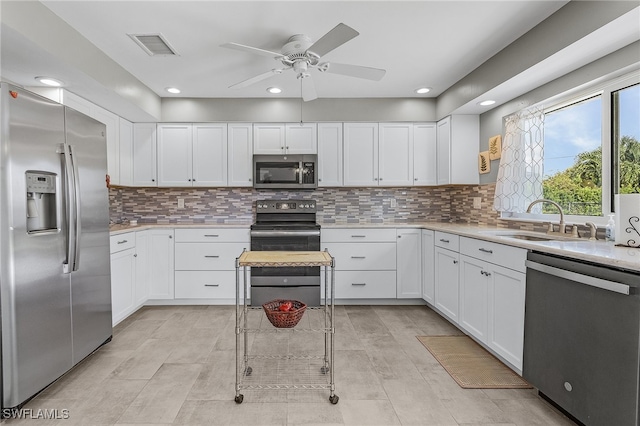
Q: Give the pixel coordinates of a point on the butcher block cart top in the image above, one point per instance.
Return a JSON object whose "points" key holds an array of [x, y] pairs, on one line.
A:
{"points": [[285, 258]]}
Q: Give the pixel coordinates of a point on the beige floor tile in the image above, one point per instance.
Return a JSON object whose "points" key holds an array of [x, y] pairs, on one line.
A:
{"points": [[145, 361], [415, 403], [368, 413], [195, 413], [314, 414], [472, 410], [532, 412]]}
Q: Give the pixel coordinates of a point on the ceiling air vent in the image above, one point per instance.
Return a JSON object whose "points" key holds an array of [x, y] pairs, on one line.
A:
{"points": [[153, 44]]}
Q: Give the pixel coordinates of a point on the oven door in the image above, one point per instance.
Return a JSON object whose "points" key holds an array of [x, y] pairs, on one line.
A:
{"points": [[285, 240]]}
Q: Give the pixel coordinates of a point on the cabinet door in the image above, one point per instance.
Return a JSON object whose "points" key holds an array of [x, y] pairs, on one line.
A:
{"points": [[123, 275], [209, 155], [409, 263], [141, 291], [360, 154], [240, 154], [395, 161], [161, 261], [175, 152], [301, 138], [424, 154], [474, 283], [268, 139], [329, 154], [126, 152], [428, 266], [144, 154], [464, 146], [447, 272], [112, 123], [444, 151], [506, 313]]}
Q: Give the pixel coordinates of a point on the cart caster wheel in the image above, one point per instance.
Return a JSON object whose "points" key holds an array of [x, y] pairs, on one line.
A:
{"points": [[240, 397], [324, 370], [248, 371], [332, 399]]}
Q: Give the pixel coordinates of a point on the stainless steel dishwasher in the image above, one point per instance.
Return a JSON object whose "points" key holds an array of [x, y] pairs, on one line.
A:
{"points": [[582, 338]]}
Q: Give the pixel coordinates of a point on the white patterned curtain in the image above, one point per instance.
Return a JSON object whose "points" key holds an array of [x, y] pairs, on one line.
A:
{"points": [[521, 165]]}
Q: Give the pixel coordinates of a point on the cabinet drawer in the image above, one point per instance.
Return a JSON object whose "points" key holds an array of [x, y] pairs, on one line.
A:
{"points": [[448, 241], [365, 285], [122, 242], [363, 256], [207, 256], [499, 254], [205, 285], [357, 235], [212, 235]]}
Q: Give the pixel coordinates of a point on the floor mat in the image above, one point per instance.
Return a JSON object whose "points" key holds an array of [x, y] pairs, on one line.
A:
{"points": [[470, 365]]}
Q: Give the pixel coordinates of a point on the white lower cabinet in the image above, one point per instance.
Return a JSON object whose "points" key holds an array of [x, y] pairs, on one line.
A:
{"points": [[428, 266], [474, 297], [446, 286], [409, 263], [123, 275], [141, 290], [161, 261], [205, 262]]}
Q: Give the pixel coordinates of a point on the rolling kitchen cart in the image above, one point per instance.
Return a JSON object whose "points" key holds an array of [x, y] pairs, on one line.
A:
{"points": [[294, 369]]}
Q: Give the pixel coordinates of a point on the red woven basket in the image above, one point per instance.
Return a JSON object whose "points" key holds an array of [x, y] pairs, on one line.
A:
{"points": [[284, 319]]}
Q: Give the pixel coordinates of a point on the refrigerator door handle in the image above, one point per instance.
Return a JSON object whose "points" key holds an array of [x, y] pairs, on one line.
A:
{"points": [[76, 211], [72, 210]]}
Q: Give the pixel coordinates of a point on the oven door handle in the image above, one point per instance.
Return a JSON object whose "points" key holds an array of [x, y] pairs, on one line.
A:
{"points": [[284, 233]]}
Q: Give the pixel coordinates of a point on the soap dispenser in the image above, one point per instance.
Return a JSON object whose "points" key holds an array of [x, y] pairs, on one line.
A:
{"points": [[610, 230]]}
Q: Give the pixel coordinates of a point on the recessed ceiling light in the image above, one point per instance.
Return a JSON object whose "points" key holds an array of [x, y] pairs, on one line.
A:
{"points": [[49, 81], [274, 90], [423, 90], [486, 103], [173, 90]]}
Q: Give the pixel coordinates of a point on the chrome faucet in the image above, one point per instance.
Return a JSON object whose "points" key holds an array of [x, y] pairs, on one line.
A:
{"points": [[542, 200]]}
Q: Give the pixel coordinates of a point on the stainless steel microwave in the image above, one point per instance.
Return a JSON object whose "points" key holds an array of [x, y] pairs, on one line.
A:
{"points": [[285, 171]]}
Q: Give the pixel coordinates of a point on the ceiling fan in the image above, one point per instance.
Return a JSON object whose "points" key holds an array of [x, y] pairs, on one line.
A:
{"points": [[301, 55]]}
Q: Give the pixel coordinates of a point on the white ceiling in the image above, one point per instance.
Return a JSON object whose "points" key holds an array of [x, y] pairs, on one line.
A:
{"points": [[419, 43]]}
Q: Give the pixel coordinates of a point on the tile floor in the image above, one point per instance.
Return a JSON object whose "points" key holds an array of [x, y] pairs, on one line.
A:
{"points": [[176, 365]]}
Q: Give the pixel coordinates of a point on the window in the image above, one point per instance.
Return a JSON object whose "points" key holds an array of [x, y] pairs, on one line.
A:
{"points": [[625, 106]]}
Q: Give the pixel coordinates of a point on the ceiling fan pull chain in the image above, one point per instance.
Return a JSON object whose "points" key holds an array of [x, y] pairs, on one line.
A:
{"points": [[301, 102]]}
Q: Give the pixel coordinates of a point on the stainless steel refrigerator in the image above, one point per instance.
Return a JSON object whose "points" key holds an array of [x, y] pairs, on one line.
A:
{"points": [[55, 285]]}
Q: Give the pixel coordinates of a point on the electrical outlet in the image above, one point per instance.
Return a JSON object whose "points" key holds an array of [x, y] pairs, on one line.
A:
{"points": [[181, 203], [476, 202], [394, 203]]}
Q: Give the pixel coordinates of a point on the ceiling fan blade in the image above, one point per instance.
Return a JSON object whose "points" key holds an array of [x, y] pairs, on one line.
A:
{"points": [[308, 89], [358, 71], [255, 79], [250, 49], [336, 37]]}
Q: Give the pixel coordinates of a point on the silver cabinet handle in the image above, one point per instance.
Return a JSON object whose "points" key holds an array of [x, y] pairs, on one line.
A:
{"points": [[484, 250], [488, 274], [212, 285], [211, 235], [358, 236], [212, 256], [443, 240], [358, 257], [360, 284], [123, 241]]}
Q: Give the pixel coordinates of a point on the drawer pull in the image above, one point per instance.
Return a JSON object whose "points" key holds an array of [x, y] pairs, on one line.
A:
{"points": [[358, 236], [123, 241], [488, 274], [443, 240], [211, 256], [212, 285], [358, 257], [361, 284], [484, 250], [211, 235]]}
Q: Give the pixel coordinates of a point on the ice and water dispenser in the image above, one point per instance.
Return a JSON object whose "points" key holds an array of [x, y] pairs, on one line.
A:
{"points": [[41, 201]]}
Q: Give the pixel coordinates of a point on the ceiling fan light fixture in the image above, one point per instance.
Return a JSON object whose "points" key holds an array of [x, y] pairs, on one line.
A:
{"points": [[274, 90], [487, 102], [49, 81], [173, 90], [422, 90]]}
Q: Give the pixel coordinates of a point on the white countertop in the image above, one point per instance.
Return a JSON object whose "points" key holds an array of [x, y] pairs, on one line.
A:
{"points": [[605, 253]]}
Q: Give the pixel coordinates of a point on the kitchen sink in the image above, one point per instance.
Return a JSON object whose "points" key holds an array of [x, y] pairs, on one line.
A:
{"points": [[527, 235]]}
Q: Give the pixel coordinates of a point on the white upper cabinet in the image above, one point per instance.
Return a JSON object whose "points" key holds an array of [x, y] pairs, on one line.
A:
{"points": [[240, 154], [424, 154], [144, 154], [192, 155], [360, 154], [175, 151], [330, 154], [126, 152], [458, 142], [209, 154], [290, 138], [395, 157]]}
